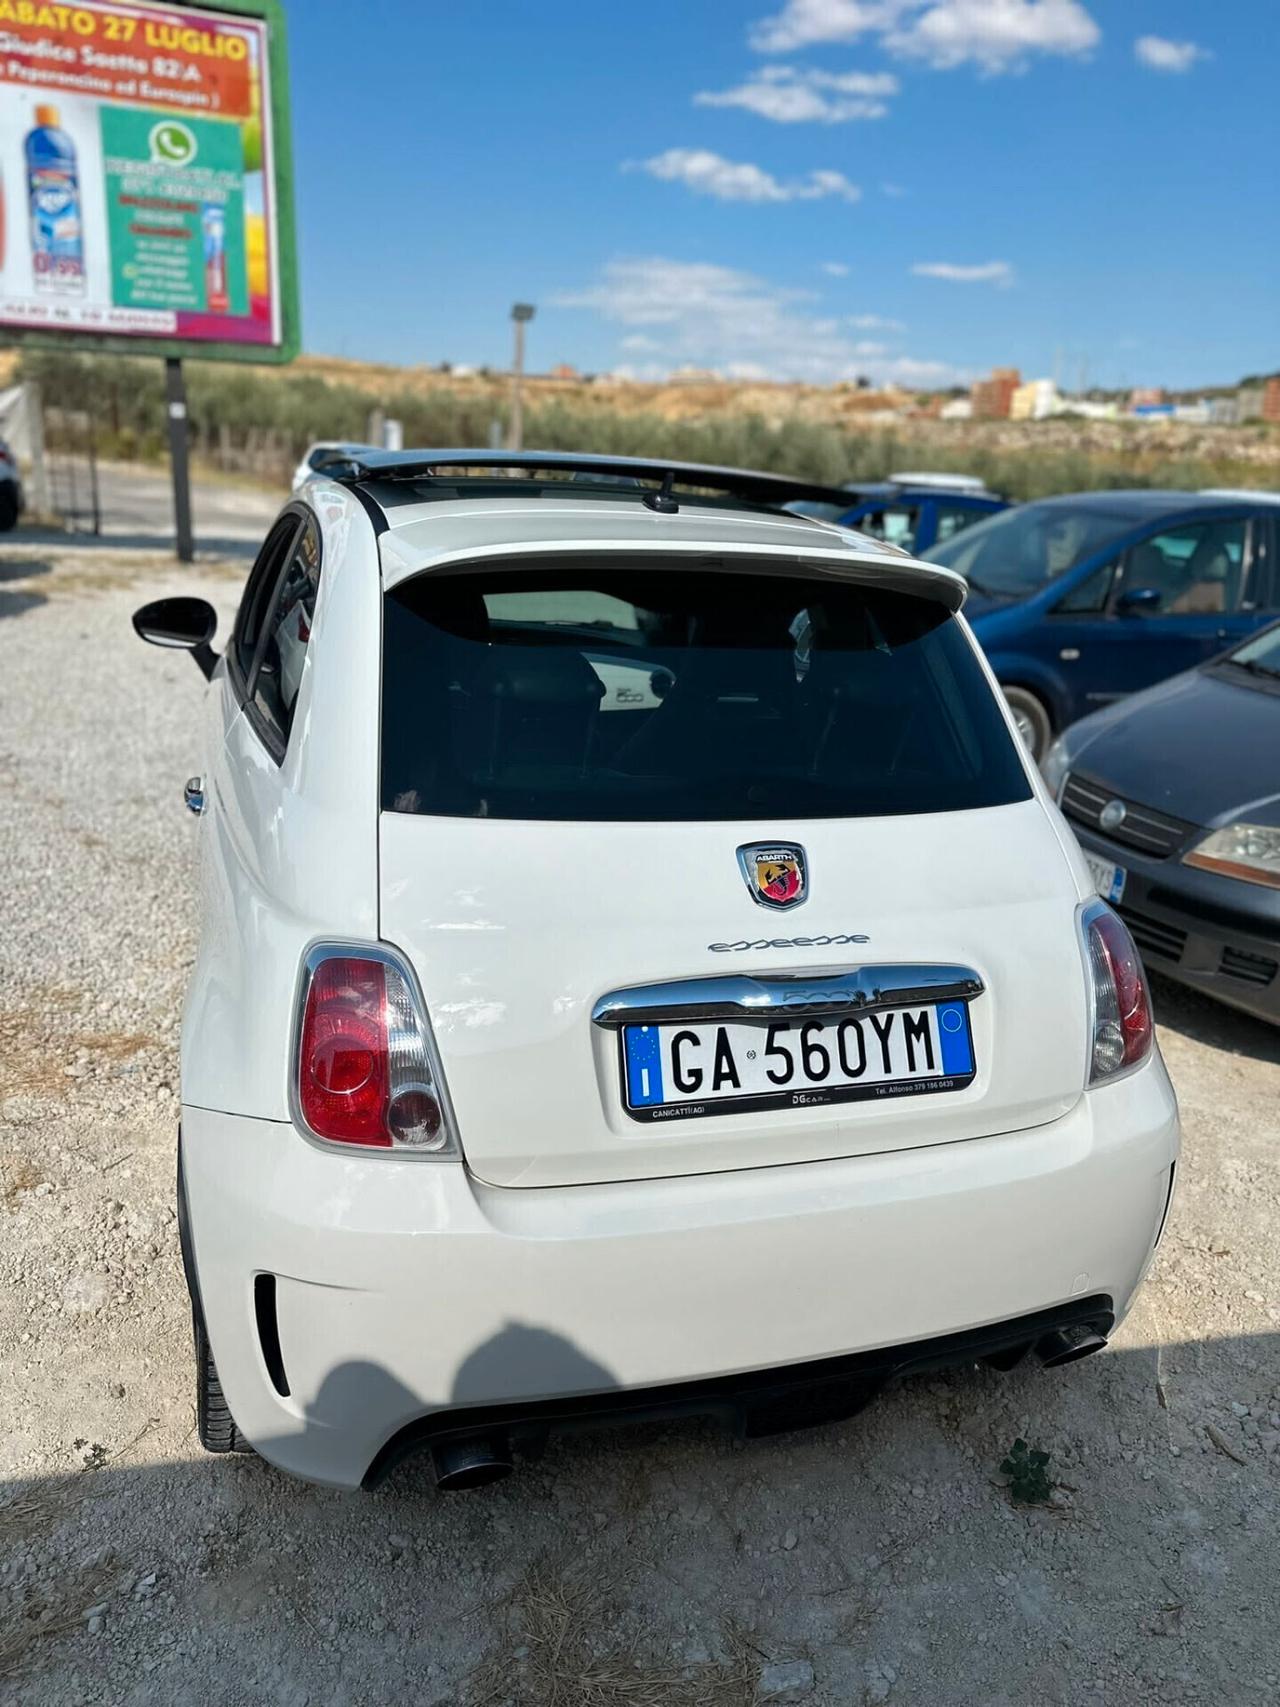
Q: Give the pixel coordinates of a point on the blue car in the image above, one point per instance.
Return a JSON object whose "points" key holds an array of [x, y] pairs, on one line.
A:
{"points": [[913, 511], [1080, 600]]}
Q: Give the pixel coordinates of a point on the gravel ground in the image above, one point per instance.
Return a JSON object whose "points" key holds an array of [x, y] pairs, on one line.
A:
{"points": [[883, 1559]]}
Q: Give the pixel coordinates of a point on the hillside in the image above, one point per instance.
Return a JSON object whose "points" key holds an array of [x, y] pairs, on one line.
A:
{"points": [[259, 419]]}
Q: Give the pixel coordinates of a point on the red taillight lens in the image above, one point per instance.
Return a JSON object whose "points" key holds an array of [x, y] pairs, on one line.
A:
{"points": [[1123, 1029], [364, 1068], [343, 1066]]}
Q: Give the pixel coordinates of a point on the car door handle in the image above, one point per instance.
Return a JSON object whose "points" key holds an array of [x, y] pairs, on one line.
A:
{"points": [[193, 796]]}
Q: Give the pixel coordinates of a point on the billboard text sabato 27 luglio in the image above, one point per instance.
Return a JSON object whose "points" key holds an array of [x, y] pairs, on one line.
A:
{"points": [[145, 196]]}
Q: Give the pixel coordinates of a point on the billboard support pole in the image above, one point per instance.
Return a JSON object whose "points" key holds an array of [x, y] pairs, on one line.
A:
{"points": [[175, 392]]}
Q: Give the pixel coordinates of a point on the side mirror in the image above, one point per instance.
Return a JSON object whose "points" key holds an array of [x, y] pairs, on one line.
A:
{"points": [[188, 624], [1139, 601]]}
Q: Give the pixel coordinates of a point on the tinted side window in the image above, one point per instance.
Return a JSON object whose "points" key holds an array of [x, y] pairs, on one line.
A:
{"points": [[1089, 596], [615, 692], [257, 593], [1198, 569], [288, 631], [896, 525], [953, 521]]}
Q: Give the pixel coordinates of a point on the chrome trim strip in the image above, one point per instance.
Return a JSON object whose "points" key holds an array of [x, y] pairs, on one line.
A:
{"points": [[855, 989]]}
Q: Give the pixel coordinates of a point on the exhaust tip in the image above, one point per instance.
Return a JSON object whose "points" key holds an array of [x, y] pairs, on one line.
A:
{"points": [[474, 1462], [1068, 1345]]}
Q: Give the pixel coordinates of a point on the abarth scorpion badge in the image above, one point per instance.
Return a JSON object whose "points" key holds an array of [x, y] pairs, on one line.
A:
{"points": [[776, 873]]}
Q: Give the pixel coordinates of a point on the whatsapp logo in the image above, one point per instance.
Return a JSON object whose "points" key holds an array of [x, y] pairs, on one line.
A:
{"points": [[172, 144]]}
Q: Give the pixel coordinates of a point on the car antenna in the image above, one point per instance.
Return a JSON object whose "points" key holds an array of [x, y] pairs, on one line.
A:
{"points": [[661, 500]]}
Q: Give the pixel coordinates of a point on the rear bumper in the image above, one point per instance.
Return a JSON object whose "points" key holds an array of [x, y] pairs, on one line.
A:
{"points": [[1205, 931], [408, 1289]]}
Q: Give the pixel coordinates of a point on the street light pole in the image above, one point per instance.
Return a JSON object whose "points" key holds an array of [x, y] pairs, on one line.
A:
{"points": [[521, 314]]}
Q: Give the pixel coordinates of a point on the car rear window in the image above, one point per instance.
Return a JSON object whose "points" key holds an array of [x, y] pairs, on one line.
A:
{"points": [[608, 692]]}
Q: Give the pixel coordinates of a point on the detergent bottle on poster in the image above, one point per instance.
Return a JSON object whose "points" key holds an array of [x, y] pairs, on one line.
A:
{"points": [[213, 222], [53, 186]]}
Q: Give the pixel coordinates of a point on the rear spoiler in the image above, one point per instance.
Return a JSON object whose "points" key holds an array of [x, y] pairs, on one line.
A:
{"points": [[450, 467]]}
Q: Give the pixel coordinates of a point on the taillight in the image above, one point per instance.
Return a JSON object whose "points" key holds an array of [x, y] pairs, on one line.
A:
{"points": [[366, 1072], [1123, 1030]]}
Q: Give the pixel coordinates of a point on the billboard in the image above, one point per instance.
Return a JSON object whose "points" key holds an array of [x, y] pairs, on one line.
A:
{"points": [[145, 196]]}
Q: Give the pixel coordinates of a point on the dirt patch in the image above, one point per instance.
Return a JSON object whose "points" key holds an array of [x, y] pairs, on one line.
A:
{"points": [[39, 1050], [74, 572], [18, 1173], [567, 1641]]}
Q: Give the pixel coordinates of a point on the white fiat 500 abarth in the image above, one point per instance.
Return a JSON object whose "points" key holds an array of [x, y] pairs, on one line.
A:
{"points": [[641, 972]]}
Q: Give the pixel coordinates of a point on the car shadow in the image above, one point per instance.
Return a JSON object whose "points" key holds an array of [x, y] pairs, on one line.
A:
{"points": [[665, 1552], [207, 545], [1207, 1021], [14, 601]]}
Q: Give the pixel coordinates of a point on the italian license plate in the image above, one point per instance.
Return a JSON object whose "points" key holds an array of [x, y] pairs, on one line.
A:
{"points": [[673, 1071], [1108, 878]]}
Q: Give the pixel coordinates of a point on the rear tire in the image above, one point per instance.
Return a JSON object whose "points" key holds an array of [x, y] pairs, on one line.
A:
{"points": [[1032, 718], [214, 1422], [8, 506]]}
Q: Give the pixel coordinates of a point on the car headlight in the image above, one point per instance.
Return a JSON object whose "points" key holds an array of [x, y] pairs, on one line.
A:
{"points": [[1055, 765], [1250, 852]]}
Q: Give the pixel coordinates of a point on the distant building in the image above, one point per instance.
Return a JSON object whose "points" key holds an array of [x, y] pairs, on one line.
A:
{"points": [[689, 375], [1147, 397], [956, 409], [1089, 409], [991, 397], [563, 370], [1249, 401], [1034, 401], [1271, 399]]}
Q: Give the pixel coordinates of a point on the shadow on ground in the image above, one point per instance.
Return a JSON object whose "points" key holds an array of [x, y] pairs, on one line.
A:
{"points": [[663, 1567], [207, 545], [15, 600], [1214, 1023]]}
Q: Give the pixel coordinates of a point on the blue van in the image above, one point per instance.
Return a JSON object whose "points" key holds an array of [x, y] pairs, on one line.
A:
{"points": [[1080, 600], [914, 511]]}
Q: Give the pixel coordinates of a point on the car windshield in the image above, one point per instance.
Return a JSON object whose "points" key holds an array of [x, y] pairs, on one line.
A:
{"points": [[822, 512], [1017, 552], [1261, 655], [599, 691]]}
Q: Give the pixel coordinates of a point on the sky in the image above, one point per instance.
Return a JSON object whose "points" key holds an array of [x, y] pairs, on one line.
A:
{"points": [[910, 190]]}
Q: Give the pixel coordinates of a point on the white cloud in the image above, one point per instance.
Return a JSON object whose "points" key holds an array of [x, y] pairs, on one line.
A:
{"points": [[997, 35], [789, 95], [892, 190], [836, 269], [1158, 53], [639, 343], [986, 272], [708, 174], [875, 323], [718, 317], [802, 22]]}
